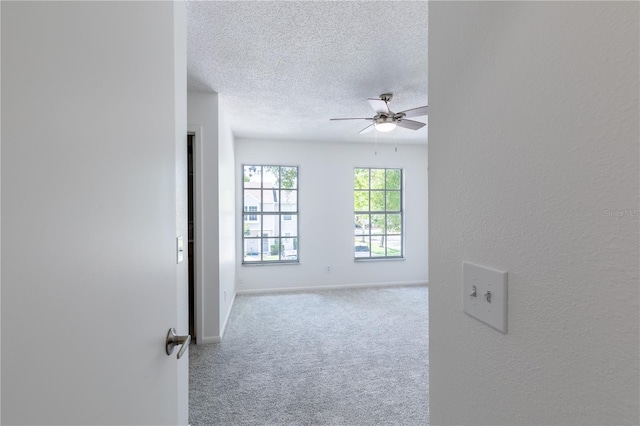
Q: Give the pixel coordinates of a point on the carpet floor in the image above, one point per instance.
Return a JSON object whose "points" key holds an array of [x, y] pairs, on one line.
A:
{"points": [[336, 357]]}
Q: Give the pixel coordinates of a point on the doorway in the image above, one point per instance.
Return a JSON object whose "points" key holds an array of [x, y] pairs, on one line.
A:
{"points": [[191, 235]]}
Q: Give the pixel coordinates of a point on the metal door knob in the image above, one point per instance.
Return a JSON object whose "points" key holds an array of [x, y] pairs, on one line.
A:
{"points": [[174, 340]]}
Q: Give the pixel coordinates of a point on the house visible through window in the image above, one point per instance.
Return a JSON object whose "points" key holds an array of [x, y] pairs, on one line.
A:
{"points": [[378, 218], [251, 217], [270, 232]]}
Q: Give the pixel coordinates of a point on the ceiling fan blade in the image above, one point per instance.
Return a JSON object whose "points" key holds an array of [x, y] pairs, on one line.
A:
{"points": [[410, 124], [367, 129], [333, 119], [379, 105], [415, 112]]}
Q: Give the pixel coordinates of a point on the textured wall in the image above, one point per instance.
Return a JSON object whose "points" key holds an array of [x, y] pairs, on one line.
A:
{"points": [[326, 214], [533, 169]]}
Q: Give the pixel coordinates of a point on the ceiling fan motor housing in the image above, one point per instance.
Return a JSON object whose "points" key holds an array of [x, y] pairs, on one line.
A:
{"points": [[385, 124]]}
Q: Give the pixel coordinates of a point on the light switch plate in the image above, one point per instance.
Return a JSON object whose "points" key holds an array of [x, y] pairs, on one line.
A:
{"points": [[493, 313]]}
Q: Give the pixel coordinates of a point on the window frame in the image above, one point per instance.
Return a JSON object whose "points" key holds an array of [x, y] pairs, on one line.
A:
{"points": [[275, 217], [367, 235]]}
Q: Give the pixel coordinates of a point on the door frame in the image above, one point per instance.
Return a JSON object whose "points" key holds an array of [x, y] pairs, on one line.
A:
{"points": [[196, 131]]}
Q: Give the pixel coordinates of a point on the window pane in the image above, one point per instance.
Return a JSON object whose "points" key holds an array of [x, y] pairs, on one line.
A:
{"points": [[377, 246], [273, 249], [289, 201], [361, 179], [361, 224], [393, 201], [290, 246], [361, 247], [270, 200], [271, 225], [251, 176], [377, 178], [378, 224], [252, 249], [289, 177], [270, 175], [251, 225], [393, 179], [394, 224], [377, 201], [394, 245], [289, 225], [251, 199], [361, 201]]}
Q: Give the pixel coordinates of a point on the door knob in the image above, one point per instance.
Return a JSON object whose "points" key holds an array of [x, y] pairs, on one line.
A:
{"points": [[174, 340]]}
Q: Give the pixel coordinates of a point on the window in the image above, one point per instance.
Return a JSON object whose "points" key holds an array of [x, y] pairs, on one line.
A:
{"points": [[378, 219], [270, 232]]}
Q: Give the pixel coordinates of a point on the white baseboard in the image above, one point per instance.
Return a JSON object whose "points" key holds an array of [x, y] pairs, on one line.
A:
{"points": [[210, 339], [226, 318], [331, 287], [217, 339]]}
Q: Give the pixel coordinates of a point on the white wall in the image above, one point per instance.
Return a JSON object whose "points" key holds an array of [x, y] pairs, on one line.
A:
{"points": [[215, 214], [227, 212], [533, 160], [326, 215]]}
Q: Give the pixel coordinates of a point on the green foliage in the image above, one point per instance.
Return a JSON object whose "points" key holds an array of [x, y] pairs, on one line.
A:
{"points": [[361, 201], [393, 178], [377, 201], [380, 251], [276, 248], [377, 178], [394, 224], [285, 177], [393, 201], [361, 179]]}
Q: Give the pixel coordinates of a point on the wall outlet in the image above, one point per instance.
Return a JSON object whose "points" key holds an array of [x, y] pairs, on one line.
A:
{"points": [[328, 269], [485, 295]]}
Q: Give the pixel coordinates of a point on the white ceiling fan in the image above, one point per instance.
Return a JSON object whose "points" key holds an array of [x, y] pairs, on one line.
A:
{"points": [[386, 120]]}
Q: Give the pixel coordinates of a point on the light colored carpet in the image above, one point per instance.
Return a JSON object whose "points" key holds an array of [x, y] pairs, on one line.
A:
{"points": [[338, 357]]}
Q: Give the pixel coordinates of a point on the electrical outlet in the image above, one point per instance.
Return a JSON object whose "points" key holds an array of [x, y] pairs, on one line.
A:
{"points": [[485, 295], [328, 269]]}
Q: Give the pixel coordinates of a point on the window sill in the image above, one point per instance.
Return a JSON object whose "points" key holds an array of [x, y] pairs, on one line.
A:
{"points": [[288, 262], [377, 259]]}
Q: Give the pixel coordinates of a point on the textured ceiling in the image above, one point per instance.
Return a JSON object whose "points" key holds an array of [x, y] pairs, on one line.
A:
{"points": [[285, 68]]}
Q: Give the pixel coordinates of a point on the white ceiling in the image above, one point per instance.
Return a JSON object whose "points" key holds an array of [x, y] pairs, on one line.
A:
{"points": [[285, 68]]}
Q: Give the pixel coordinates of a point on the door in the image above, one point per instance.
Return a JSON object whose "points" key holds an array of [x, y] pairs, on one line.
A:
{"points": [[92, 98]]}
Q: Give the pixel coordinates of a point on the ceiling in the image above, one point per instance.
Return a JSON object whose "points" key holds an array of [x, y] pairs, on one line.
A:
{"points": [[285, 68]]}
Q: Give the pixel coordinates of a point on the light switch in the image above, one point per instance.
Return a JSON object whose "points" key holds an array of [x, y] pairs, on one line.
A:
{"points": [[485, 295], [180, 249]]}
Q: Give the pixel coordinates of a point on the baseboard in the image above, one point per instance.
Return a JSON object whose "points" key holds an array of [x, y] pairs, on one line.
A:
{"points": [[210, 339], [218, 339], [226, 318], [331, 287]]}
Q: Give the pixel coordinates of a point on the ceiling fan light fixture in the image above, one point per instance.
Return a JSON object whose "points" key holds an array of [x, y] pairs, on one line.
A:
{"points": [[385, 124]]}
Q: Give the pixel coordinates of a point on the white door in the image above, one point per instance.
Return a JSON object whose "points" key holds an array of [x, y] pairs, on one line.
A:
{"points": [[90, 283]]}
